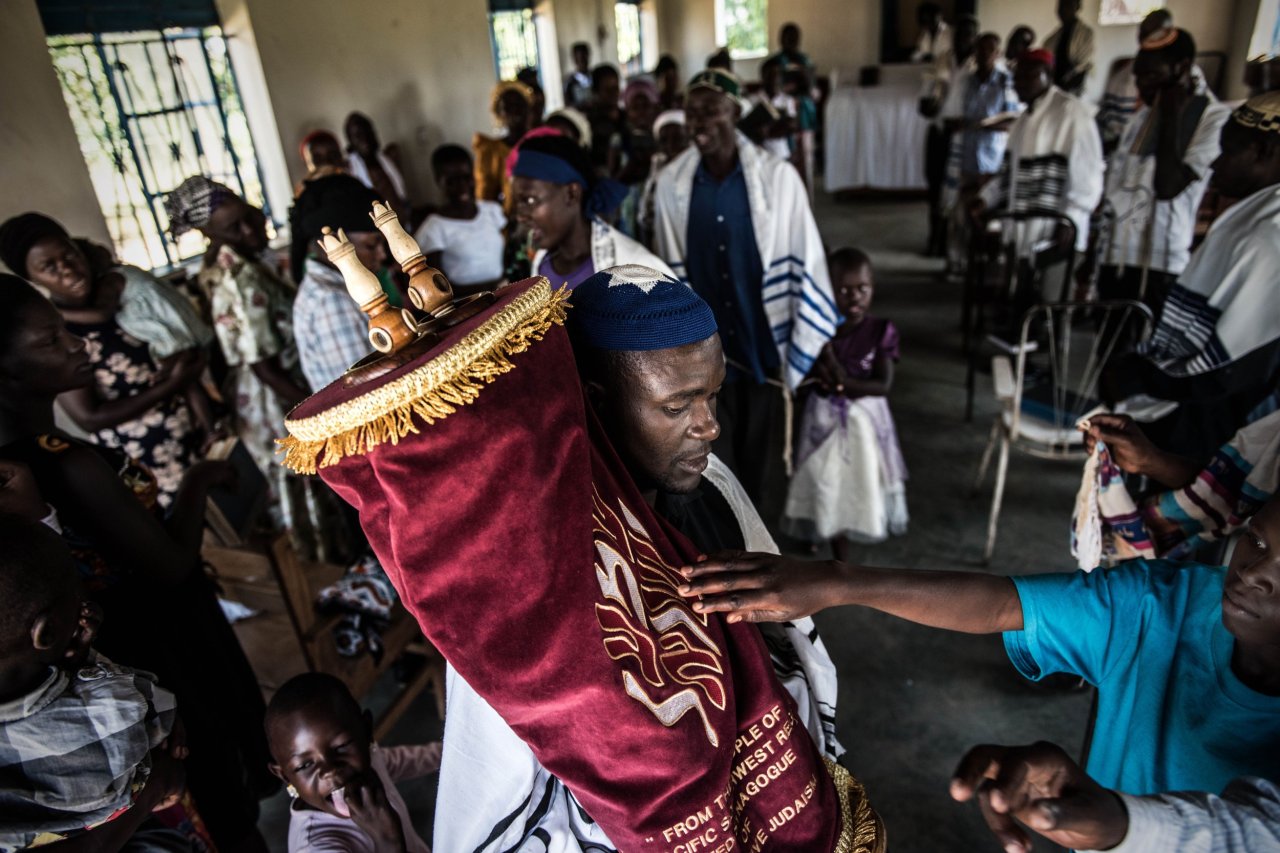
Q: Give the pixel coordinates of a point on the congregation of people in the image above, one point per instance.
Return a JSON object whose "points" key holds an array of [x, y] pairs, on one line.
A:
{"points": [[738, 365]]}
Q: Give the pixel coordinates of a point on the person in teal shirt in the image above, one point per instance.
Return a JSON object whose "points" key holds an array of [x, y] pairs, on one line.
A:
{"points": [[1186, 657]]}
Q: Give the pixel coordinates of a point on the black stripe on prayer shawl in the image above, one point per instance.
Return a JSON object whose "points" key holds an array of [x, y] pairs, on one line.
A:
{"points": [[543, 807], [1042, 182]]}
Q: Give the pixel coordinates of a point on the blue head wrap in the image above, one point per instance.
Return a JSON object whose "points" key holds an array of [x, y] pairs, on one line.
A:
{"points": [[634, 308], [558, 160]]}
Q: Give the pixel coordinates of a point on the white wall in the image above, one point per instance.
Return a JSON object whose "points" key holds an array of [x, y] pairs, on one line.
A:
{"points": [[421, 69], [41, 167]]}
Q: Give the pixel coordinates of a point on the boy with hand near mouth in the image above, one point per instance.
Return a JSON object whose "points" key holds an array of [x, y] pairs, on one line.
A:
{"points": [[342, 783]]}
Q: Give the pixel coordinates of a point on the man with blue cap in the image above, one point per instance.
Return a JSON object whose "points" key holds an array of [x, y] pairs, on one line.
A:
{"points": [[652, 365]]}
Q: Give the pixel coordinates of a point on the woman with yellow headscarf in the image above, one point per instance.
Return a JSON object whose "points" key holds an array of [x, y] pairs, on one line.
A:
{"points": [[511, 105]]}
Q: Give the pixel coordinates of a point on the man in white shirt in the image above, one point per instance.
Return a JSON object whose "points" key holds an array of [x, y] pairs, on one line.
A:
{"points": [[1158, 173], [1039, 787]]}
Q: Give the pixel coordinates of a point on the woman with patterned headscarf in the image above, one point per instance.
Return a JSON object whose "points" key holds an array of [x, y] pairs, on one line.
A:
{"points": [[252, 308], [511, 104]]}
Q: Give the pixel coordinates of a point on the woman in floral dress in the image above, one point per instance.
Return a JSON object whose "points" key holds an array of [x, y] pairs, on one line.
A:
{"points": [[252, 308]]}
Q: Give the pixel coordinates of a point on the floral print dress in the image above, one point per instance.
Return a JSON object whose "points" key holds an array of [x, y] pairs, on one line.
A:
{"points": [[252, 310], [165, 439]]}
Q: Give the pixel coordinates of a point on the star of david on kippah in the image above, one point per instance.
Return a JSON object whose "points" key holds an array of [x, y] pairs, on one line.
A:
{"points": [[641, 276]]}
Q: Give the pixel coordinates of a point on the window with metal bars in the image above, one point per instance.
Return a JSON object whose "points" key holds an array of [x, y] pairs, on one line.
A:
{"points": [[514, 39], [626, 19], [150, 109]]}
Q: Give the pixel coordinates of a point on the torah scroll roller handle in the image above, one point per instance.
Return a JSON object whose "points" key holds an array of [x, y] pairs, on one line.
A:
{"points": [[429, 290], [388, 329]]}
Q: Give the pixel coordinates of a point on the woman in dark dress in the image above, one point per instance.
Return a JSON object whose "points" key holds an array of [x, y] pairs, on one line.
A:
{"points": [[161, 612]]}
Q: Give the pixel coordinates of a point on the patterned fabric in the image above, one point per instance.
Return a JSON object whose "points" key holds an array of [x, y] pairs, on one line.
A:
{"points": [[193, 202], [1107, 526], [1053, 163], [253, 317], [365, 596], [1242, 476], [635, 308], [336, 331], [1260, 113], [164, 439], [75, 752], [1245, 819], [1223, 306]]}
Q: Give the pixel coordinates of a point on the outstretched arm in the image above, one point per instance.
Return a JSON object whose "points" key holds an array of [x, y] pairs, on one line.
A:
{"points": [[772, 588]]}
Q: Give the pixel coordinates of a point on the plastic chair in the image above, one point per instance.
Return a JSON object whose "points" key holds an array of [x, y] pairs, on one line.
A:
{"points": [[995, 276], [1049, 383]]}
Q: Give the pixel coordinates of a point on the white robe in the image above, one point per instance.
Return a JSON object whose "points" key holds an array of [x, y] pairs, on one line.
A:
{"points": [[494, 796], [796, 291]]}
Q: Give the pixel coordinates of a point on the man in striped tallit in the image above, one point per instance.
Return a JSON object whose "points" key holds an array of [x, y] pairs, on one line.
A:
{"points": [[1053, 163], [734, 223]]}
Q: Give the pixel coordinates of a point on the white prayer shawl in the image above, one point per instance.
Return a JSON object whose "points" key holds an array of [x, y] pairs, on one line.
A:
{"points": [[796, 291], [1224, 305], [1053, 162], [494, 796], [360, 171], [1081, 49], [611, 248]]}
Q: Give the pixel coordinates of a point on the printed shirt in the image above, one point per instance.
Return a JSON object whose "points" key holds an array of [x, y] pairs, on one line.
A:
{"points": [[333, 333], [1172, 715], [1163, 241], [973, 99], [76, 750], [724, 268]]}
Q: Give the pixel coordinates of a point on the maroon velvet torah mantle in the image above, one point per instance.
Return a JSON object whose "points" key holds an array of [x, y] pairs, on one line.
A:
{"points": [[515, 536]]}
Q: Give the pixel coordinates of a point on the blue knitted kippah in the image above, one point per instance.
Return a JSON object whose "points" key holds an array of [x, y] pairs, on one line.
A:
{"points": [[634, 308]]}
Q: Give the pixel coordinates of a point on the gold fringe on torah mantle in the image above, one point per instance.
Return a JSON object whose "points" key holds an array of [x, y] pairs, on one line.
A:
{"points": [[861, 830], [430, 392]]}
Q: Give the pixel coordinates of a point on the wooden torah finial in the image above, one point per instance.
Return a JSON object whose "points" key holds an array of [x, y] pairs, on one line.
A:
{"points": [[429, 290], [388, 330]]}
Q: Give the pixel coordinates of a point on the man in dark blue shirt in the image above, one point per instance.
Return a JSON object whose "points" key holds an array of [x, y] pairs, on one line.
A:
{"points": [[723, 266]]}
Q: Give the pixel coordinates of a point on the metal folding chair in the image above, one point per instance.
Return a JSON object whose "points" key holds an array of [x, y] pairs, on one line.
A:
{"points": [[997, 278], [1049, 383]]}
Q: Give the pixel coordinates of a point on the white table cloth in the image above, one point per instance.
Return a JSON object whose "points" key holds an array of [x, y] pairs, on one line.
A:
{"points": [[875, 135]]}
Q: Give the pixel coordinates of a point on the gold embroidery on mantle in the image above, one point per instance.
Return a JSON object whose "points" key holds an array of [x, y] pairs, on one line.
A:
{"points": [[670, 664]]}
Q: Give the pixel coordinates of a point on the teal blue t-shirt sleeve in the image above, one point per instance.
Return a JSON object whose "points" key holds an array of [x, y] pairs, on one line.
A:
{"points": [[1080, 623]]}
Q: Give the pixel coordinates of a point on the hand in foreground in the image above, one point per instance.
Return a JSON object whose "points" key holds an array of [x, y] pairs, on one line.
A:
{"points": [[1130, 448], [759, 587], [1041, 787], [367, 802]]}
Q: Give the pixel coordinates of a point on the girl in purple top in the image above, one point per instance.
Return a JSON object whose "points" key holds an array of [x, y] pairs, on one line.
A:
{"points": [[850, 478]]}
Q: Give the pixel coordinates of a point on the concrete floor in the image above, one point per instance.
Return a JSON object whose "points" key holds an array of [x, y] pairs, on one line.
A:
{"points": [[912, 700]]}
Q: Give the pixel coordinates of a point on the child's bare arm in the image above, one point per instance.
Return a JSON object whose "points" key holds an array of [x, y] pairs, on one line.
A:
{"points": [[875, 385], [773, 588]]}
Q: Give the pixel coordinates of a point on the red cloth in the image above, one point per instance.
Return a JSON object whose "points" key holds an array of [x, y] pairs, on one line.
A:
{"points": [[515, 536], [1039, 54]]}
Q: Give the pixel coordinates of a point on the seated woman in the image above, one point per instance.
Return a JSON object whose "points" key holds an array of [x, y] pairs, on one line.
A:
{"points": [[1204, 503], [161, 612], [464, 237], [511, 104], [252, 311], [144, 344], [559, 199]]}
